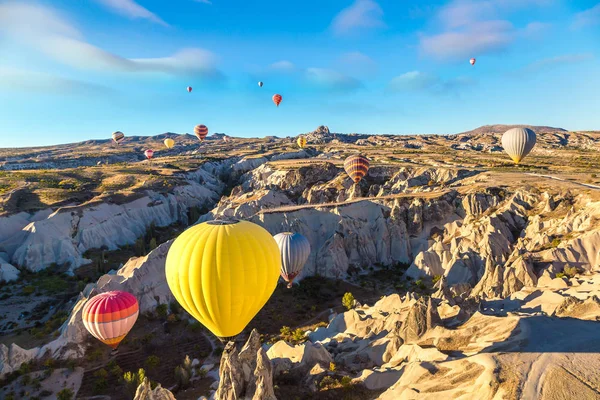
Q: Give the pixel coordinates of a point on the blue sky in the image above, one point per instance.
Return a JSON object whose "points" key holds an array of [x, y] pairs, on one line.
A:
{"points": [[77, 70]]}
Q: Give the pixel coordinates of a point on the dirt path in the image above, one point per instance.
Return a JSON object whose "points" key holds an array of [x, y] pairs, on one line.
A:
{"points": [[587, 185], [423, 195]]}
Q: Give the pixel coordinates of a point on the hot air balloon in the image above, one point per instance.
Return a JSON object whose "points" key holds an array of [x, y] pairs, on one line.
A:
{"points": [[110, 316], [226, 139], [295, 250], [472, 61], [223, 273], [356, 167], [260, 84], [301, 141], [118, 137], [149, 154], [169, 143], [201, 131], [189, 89], [277, 99], [518, 142]]}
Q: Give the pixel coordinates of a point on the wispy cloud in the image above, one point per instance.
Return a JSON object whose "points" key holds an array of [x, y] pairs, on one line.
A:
{"points": [[16, 79], [361, 15], [282, 66], [203, 1], [131, 9], [553, 62], [588, 17], [357, 62], [331, 80], [417, 81], [44, 30], [471, 27]]}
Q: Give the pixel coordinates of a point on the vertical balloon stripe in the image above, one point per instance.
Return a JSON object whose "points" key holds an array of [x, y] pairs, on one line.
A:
{"points": [[518, 143], [356, 167]]}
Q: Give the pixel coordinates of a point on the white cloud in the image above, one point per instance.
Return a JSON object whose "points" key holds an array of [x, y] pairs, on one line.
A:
{"points": [[283, 66], [44, 30], [203, 1], [417, 81], [362, 14], [473, 27], [413, 80], [588, 17], [357, 63], [131, 9], [331, 80], [478, 38], [547, 63], [16, 79]]}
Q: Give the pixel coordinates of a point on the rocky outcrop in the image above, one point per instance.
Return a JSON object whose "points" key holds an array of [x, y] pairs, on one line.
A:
{"points": [[8, 273], [422, 316], [145, 392], [63, 237], [588, 309], [247, 374]]}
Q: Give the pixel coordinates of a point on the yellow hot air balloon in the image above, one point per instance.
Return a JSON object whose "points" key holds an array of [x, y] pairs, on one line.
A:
{"points": [[169, 143], [223, 273], [301, 142]]}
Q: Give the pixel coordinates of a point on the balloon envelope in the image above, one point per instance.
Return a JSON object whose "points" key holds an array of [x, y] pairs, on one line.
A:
{"points": [[223, 273], [277, 99], [301, 142], [149, 154], [169, 143], [356, 166], [189, 89], [260, 84], [110, 316], [518, 142], [200, 131], [118, 137], [472, 61], [295, 250]]}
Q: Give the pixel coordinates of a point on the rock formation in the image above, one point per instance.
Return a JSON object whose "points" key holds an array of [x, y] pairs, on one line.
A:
{"points": [[145, 392]]}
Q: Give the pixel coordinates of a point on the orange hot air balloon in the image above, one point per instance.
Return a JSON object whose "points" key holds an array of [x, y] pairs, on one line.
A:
{"points": [[149, 154], [277, 99], [356, 167], [110, 316], [201, 131]]}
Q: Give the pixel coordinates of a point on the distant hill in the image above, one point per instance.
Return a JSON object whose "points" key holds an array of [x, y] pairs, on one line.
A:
{"points": [[503, 128]]}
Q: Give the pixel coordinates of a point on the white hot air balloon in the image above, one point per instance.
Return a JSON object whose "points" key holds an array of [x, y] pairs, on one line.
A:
{"points": [[518, 142]]}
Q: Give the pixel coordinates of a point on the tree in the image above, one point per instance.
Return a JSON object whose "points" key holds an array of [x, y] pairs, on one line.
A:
{"points": [[348, 300]]}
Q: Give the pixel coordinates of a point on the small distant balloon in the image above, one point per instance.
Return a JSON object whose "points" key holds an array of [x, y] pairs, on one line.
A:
{"points": [[260, 84], [277, 99], [226, 139], [201, 131], [301, 142], [189, 89], [472, 61], [149, 154], [118, 137], [169, 143]]}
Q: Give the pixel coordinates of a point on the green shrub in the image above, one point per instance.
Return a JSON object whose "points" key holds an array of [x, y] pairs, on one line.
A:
{"points": [[27, 290], [570, 271], [436, 279], [346, 381], [332, 367], [65, 394], [348, 300], [152, 362], [162, 310], [100, 381]]}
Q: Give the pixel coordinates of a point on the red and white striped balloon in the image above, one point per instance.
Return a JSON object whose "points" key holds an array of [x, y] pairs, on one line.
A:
{"points": [[472, 61], [201, 131], [149, 154]]}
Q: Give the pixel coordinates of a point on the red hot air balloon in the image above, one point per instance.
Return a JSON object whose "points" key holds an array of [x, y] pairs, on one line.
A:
{"points": [[201, 131], [189, 89], [149, 154], [110, 316], [277, 99], [472, 61]]}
